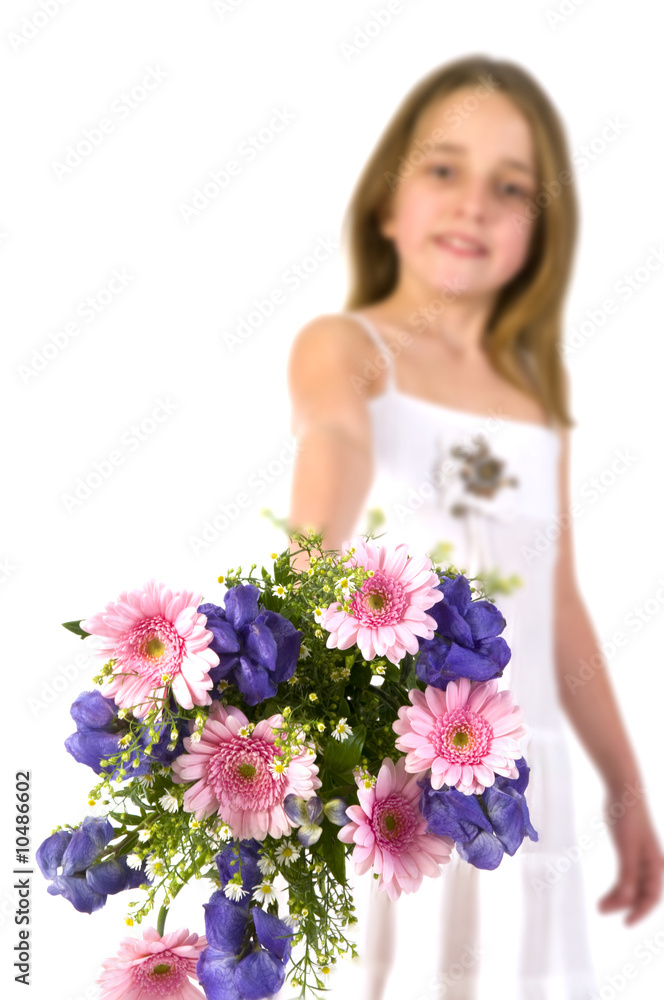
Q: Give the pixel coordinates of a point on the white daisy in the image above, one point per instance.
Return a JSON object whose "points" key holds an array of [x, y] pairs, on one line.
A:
{"points": [[234, 891], [134, 861], [224, 832], [265, 894], [266, 866], [143, 835], [169, 802], [318, 615], [342, 731], [346, 585], [276, 767], [145, 779], [279, 590], [287, 854], [304, 653], [291, 921], [155, 867]]}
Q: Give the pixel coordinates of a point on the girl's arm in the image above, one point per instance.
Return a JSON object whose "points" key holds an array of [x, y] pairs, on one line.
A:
{"points": [[589, 703], [330, 419]]}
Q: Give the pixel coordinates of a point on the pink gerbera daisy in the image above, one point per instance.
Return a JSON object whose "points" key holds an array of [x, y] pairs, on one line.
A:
{"points": [[465, 734], [388, 612], [159, 643], [389, 832], [236, 777], [153, 967]]}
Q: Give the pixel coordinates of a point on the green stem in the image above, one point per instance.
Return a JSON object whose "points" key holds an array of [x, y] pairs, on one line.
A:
{"points": [[386, 698], [163, 913], [129, 841]]}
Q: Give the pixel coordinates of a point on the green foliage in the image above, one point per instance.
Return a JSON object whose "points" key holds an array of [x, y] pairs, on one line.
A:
{"points": [[75, 627], [342, 756], [332, 851]]}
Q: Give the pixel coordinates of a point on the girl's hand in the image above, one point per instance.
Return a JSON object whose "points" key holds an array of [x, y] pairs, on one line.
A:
{"points": [[641, 861]]}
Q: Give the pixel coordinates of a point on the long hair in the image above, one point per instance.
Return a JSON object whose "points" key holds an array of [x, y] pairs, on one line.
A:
{"points": [[523, 335]]}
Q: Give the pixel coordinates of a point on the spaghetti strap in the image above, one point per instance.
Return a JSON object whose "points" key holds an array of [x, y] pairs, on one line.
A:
{"points": [[380, 344]]}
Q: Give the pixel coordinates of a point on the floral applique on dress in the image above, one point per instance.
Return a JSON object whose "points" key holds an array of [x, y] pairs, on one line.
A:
{"points": [[474, 483], [480, 472]]}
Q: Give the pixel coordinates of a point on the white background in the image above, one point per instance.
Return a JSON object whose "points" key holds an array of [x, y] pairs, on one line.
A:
{"points": [[162, 338]]}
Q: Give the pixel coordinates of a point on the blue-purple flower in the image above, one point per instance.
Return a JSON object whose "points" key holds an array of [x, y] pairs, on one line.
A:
{"points": [[467, 642], [240, 856], [305, 814], [70, 860], [99, 731], [484, 827], [248, 948], [257, 649]]}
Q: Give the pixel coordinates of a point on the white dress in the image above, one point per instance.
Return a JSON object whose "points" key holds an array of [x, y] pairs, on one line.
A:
{"points": [[518, 932]]}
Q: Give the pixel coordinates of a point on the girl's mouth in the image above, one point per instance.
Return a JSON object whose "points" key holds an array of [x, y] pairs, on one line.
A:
{"points": [[460, 247]]}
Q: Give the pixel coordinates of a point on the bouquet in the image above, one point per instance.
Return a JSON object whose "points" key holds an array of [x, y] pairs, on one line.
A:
{"points": [[349, 710]]}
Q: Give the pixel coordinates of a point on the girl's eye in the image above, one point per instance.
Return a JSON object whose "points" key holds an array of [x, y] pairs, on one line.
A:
{"points": [[513, 190], [436, 170]]}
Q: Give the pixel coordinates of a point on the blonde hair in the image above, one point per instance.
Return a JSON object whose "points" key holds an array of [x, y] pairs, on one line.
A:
{"points": [[523, 335]]}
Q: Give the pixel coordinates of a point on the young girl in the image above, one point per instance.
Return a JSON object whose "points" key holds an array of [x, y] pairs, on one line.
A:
{"points": [[440, 395]]}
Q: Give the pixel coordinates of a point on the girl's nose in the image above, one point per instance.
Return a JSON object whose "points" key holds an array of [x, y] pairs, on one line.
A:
{"points": [[473, 199]]}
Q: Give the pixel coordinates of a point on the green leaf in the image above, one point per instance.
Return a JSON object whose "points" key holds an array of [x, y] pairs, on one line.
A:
{"points": [[75, 627], [392, 673], [126, 818], [331, 849], [360, 676], [344, 756], [411, 679]]}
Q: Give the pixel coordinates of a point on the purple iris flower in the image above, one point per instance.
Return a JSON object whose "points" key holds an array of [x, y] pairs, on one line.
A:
{"points": [[231, 928], [70, 860], [466, 642], [484, 827], [99, 731], [243, 856], [257, 649]]}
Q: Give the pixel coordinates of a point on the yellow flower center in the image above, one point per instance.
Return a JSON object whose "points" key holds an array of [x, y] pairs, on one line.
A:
{"points": [[154, 647]]}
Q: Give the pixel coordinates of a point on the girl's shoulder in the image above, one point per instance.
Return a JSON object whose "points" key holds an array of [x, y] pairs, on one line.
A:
{"points": [[325, 378], [332, 344]]}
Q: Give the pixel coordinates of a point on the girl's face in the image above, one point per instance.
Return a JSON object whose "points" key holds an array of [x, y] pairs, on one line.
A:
{"points": [[458, 212]]}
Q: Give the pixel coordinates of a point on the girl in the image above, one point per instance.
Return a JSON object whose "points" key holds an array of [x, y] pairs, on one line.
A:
{"points": [[440, 395]]}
